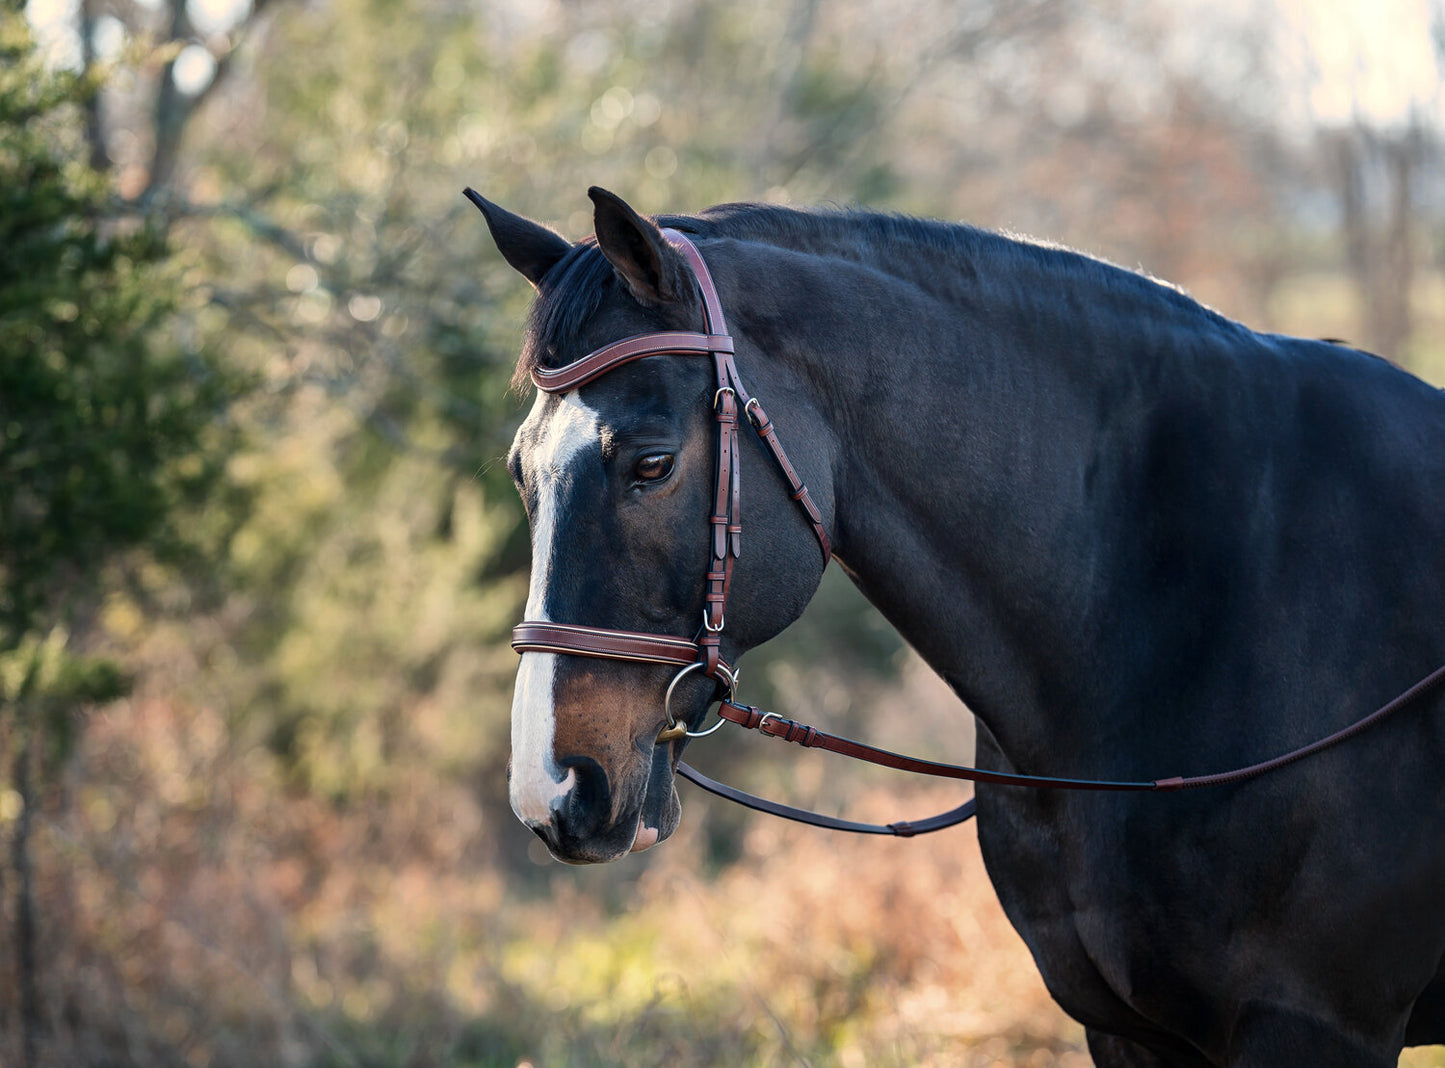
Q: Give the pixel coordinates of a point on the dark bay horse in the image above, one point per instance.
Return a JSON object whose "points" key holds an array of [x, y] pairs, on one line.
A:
{"points": [[1137, 539]]}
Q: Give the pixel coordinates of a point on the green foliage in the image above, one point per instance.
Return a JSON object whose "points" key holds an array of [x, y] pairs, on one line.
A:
{"points": [[101, 415], [42, 667], [292, 843], [385, 555], [103, 427], [44, 686]]}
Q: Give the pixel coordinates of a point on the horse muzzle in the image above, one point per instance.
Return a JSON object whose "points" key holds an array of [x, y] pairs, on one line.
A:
{"points": [[582, 828]]}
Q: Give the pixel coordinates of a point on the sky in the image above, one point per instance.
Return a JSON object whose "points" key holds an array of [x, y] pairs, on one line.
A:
{"points": [[1371, 59], [1375, 60]]}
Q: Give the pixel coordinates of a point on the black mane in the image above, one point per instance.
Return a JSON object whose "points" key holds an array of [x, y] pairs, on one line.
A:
{"points": [[919, 248]]}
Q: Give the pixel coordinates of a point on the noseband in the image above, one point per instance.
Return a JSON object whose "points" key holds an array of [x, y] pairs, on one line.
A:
{"points": [[703, 651]]}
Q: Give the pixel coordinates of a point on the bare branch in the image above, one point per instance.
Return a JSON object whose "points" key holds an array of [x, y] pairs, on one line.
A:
{"points": [[173, 108], [94, 130]]}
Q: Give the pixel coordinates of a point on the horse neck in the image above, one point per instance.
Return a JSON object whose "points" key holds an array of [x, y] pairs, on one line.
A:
{"points": [[967, 400]]}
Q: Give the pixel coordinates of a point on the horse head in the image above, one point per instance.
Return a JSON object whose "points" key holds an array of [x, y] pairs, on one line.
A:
{"points": [[618, 476]]}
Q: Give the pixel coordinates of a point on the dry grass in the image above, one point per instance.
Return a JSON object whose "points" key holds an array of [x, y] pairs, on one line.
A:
{"points": [[195, 912], [194, 915], [814, 948]]}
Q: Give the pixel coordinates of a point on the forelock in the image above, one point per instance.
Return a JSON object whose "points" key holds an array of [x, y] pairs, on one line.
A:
{"points": [[570, 294]]}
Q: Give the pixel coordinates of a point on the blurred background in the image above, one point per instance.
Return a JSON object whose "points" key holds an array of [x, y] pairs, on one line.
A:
{"points": [[259, 555]]}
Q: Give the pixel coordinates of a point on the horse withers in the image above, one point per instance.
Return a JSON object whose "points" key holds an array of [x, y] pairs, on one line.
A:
{"points": [[1135, 537]]}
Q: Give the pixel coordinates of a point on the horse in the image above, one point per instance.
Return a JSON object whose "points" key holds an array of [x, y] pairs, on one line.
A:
{"points": [[1132, 535]]}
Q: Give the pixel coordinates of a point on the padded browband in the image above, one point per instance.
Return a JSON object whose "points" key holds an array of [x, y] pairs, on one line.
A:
{"points": [[611, 357]]}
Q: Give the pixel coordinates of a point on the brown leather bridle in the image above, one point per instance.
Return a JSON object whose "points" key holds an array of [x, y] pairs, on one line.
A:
{"points": [[725, 546], [703, 652]]}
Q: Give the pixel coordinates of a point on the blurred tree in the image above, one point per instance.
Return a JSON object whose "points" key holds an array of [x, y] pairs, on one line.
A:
{"points": [[321, 197], [1378, 174], [308, 159], [102, 422]]}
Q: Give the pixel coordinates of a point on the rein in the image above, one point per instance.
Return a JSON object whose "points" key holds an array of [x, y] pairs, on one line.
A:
{"points": [[702, 652], [775, 726]]}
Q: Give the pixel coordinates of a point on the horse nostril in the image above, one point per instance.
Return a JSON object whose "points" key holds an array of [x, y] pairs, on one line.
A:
{"points": [[587, 804]]}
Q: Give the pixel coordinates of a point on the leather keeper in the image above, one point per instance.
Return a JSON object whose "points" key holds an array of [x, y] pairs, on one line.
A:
{"points": [[745, 716]]}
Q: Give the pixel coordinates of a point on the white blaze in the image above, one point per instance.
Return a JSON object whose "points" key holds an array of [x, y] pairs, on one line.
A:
{"points": [[535, 783]]}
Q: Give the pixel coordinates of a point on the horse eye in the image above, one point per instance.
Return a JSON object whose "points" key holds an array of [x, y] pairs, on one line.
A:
{"points": [[653, 467]]}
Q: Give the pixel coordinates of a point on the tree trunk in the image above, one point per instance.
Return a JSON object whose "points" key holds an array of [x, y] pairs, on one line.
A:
{"points": [[1380, 243], [26, 964]]}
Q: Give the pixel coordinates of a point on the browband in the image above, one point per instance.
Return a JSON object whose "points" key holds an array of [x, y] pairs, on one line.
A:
{"points": [[613, 356]]}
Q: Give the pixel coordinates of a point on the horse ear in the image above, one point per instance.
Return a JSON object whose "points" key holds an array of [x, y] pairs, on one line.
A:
{"points": [[638, 252], [528, 246]]}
